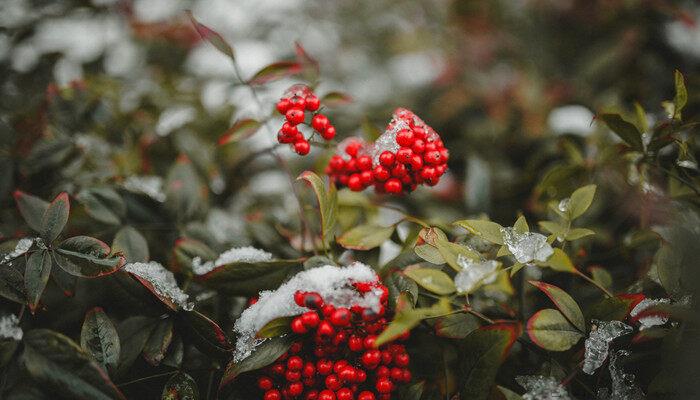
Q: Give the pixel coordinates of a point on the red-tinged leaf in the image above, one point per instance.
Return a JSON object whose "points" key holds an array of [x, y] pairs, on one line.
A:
{"points": [[180, 387], [513, 329], [550, 330], [32, 209], [55, 217], [631, 299], [247, 279], [275, 71], [148, 285], [305, 59], [567, 305], [242, 129], [212, 37], [205, 334], [157, 344], [36, 276], [87, 257], [334, 99]]}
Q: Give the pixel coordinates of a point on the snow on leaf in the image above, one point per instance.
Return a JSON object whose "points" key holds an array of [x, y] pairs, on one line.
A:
{"points": [[598, 342], [245, 254], [9, 327], [151, 186], [528, 246], [623, 384], [542, 388], [333, 283], [474, 273], [649, 320], [22, 246], [163, 282]]}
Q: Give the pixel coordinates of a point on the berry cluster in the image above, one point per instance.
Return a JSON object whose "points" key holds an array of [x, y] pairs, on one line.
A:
{"points": [[293, 105], [408, 154], [335, 356]]}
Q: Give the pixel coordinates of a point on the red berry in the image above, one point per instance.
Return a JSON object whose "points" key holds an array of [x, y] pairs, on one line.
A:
{"points": [[416, 162], [319, 122], [309, 370], [310, 319], [361, 376], [294, 116], [393, 185], [297, 102], [381, 173], [355, 183], [371, 358], [284, 138], [332, 382], [427, 173], [337, 163], [366, 395], [386, 357], [370, 342], [399, 171], [430, 146], [313, 300], [355, 344], [347, 374], [366, 177], [404, 138], [383, 372], [404, 154], [265, 383], [328, 133], [295, 363], [387, 158], [282, 106], [277, 368], [406, 375], [364, 163], [324, 367], [344, 394], [401, 360], [339, 338], [273, 394], [292, 376], [384, 385], [299, 298], [327, 310], [325, 329], [444, 154], [339, 365], [326, 395], [302, 147], [295, 389], [396, 374], [341, 317], [297, 326], [352, 148], [418, 146], [432, 157], [312, 103]]}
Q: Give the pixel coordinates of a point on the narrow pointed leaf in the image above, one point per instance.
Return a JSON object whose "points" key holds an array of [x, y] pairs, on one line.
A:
{"points": [[565, 303], [212, 37], [264, 355], [158, 342], [327, 202], [275, 71], [85, 256], [55, 217], [36, 276], [488, 230], [241, 129], [365, 237], [32, 209], [433, 280], [624, 130]]}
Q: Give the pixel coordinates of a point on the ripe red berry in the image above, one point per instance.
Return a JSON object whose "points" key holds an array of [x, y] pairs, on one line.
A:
{"points": [[416, 162], [361, 376], [371, 358], [370, 342], [326, 395], [311, 395], [382, 372], [312, 103], [294, 116], [427, 173], [319, 122], [273, 394], [347, 374], [313, 300], [302, 147], [341, 317], [355, 183], [367, 178], [381, 173], [432, 157], [282, 106], [295, 363], [418, 146], [404, 154], [309, 370], [393, 185], [277, 368], [355, 344], [366, 395], [299, 298], [325, 329], [404, 138], [396, 374], [336, 163], [328, 133], [364, 163], [401, 360], [284, 138], [406, 375], [327, 310], [297, 102], [387, 158], [384, 385], [297, 326], [344, 394], [332, 382], [265, 383], [292, 376], [399, 171], [340, 338], [310, 319], [324, 367], [386, 357]]}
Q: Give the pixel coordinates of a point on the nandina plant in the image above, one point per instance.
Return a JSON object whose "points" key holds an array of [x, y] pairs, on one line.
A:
{"points": [[138, 260]]}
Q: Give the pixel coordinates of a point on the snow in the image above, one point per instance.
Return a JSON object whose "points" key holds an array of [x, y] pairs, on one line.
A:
{"points": [[150, 185], [598, 342], [623, 385], [245, 254], [564, 204], [163, 281], [174, 118], [331, 282], [527, 247], [9, 328], [651, 320], [22, 246], [574, 119], [387, 140], [474, 273], [542, 388]]}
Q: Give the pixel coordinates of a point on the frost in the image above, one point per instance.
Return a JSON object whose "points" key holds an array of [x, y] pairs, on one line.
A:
{"points": [[542, 388], [9, 328], [623, 385], [527, 247], [163, 281], [401, 119], [225, 226], [598, 342], [246, 254], [151, 186], [564, 205], [474, 274], [650, 320], [22, 246], [331, 282]]}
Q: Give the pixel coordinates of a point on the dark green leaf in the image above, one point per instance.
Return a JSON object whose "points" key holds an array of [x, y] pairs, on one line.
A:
{"points": [[55, 217], [86, 256], [263, 355], [131, 244], [624, 130], [204, 333], [36, 276], [62, 366], [456, 326], [12, 281], [133, 335], [103, 204], [185, 193], [180, 387], [681, 97], [158, 342], [247, 279], [99, 338], [32, 209]]}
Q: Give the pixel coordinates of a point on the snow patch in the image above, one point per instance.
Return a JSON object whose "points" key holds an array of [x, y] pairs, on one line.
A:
{"points": [[542, 388], [474, 273], [651, 320], [527, 247], [22, 246], [9, 328], [245, 254], [163, 281], [150, 185]]}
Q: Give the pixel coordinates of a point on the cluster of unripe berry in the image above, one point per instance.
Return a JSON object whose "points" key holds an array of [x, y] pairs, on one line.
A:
{"points": [[408, 154], [294, 104], [335, 356]]}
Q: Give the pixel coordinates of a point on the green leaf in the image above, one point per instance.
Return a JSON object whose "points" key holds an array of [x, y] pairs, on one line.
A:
{"points": [[87, 257], [327, 203], [602, 277], [158, 342], [99, 338], [131, 244], [36, 276], [12, 282], [212, 37], [365, 237], [103, 204], [432, 280], [180, 387], [520, 225], [133, 334], [550, 330], [565, 303], [62, 367], [413, 392], [641, 116], [184, 190], [624, 130], [335, 99], [579, 233], [681, 97], [206, 335], [275, 71], [265, 354], [485, 350], [31, 208], [398, 284], [456, 326], [429, 253], [581, 200], [555, 228], [241, 129], [187, 249], [449, 252], [276, 327], [487, 230], [55, 217], [247, 279], [408, 317], [560, 261]]}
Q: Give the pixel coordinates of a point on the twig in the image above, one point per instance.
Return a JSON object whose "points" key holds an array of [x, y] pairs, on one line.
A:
{"points": [[147, 378]]}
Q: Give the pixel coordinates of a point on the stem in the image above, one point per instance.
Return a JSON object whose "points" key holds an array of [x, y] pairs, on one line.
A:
{"points": [[147, 378], [594, 283]]}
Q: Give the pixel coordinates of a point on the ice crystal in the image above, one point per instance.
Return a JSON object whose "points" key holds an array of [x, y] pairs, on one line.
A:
{"points": [[527, 247], [542, 388], [598, 342], [163, 281], [246, 254], [9, 328], [623, 384], [333, 283], [474, 273], [650, 320], [151, 186], [564, 204], [22, 246], [387, 140]]}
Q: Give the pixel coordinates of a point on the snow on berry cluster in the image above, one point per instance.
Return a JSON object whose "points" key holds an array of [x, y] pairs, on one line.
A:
{"points": [[293, 104], [338, 311], [407, 154]]}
